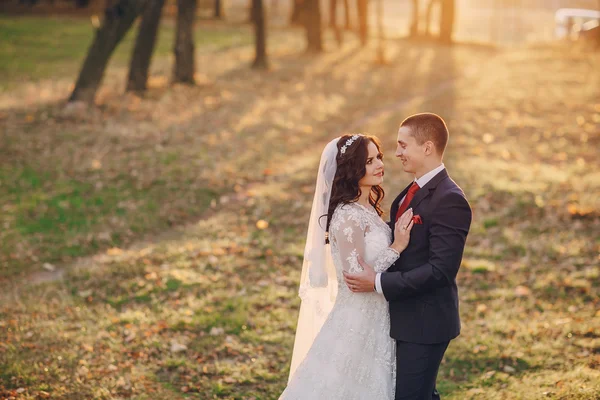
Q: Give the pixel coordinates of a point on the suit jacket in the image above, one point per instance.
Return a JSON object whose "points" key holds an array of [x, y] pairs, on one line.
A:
{"points": [[421, 285]]}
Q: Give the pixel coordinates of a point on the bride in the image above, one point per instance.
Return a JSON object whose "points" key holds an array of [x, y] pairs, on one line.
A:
{"points": [[342, 348]]}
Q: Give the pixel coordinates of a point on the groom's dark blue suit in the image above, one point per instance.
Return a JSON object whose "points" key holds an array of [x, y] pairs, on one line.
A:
{"points": [[421, 285]]}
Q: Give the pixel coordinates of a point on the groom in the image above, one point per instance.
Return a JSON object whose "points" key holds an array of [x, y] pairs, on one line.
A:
{"points": [[421, 285]]}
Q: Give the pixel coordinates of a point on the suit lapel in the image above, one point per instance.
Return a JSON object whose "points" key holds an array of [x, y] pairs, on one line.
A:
{"points": [[428, 188]]}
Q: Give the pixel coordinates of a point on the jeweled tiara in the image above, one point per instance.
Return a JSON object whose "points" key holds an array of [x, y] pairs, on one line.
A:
{"points": [[349, 143]]}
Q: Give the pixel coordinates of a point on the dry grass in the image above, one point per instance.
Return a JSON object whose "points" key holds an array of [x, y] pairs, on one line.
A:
{"points": [[208, 309]]}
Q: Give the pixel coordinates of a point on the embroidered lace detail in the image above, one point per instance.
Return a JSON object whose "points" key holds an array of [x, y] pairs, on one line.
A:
{"points": [[352, 260], [348, 232]]}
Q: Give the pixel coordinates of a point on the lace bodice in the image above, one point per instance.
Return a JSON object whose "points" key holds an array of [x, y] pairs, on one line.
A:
{"points": [[357, 230]]}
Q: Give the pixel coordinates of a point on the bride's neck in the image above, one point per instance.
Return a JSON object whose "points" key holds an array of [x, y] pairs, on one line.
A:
{"points": [[364, 196]]}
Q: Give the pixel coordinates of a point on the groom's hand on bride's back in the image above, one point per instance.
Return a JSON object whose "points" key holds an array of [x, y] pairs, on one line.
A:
{"points": [[361, 282]]}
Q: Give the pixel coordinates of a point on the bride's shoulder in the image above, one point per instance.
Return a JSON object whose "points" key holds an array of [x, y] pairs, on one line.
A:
{"points": [[348, 212], [345, 208]]}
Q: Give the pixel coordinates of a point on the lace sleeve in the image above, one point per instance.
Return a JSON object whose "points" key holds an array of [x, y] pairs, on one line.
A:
{"points": [[348, 228]]}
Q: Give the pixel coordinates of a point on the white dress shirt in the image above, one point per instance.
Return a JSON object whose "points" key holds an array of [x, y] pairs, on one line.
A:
{"points": [[422, 181]]}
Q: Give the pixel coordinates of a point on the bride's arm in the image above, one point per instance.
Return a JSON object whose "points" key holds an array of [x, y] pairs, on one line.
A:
{"points": [[348, 228], [366, 280]]}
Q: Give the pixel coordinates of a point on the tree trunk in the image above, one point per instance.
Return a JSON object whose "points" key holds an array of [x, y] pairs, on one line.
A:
{"points": [[447, 21], [82, 3], [218, 9], [332, 13], [598, 31], [117, 21], [347, 15], [333, 21], [363, 17], [296, 17], [258, 16], [381, 59], [144, 46], [313, 26], [430, 6], [184, 42], [414, 25]]}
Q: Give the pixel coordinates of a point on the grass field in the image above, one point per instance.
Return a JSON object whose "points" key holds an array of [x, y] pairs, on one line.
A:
{"points": [[34, 48], [191, 205], [55, 206]]}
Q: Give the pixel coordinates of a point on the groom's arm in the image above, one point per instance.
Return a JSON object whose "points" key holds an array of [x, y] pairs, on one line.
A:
{"points": [[447, 235]]}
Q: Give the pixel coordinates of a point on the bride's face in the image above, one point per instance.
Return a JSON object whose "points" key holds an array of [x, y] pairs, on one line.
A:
{"points": [[374, 167]]}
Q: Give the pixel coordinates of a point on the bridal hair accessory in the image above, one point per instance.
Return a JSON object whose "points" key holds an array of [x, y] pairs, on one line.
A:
{"points": [[349, 143]]}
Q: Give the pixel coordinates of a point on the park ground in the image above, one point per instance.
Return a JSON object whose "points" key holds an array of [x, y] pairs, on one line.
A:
{"points": [[151, 246]]}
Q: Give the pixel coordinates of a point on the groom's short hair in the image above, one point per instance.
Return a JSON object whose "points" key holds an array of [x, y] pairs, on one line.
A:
{"points": [[428, 126]]}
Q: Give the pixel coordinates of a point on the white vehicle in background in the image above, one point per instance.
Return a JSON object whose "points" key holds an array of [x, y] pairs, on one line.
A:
{"points": [[571, 23]]}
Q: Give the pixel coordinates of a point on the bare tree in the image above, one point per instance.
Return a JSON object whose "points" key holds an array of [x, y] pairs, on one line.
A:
{"points": [[312, 25], [144, 46], [117, 21], [332, 13], [218, 9], [414, 25], [447, 20], [347, 15], [296, 16], [381, 59], [333, 21], [184, 42], [597, 30], [363, 18], [258, 16], [428, 16]]}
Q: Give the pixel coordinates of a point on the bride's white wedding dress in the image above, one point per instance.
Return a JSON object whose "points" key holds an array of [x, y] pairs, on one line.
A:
{"points": [[353, 356]]}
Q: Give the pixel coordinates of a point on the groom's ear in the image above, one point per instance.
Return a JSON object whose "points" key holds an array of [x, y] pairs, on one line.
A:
{"points": [[429, 147]]}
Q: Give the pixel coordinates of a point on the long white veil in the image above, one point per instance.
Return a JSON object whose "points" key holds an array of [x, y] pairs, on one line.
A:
{"points": [[318, 283]]}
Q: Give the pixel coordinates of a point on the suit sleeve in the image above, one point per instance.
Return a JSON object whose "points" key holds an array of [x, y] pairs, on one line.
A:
{"points": [[450, 225]]}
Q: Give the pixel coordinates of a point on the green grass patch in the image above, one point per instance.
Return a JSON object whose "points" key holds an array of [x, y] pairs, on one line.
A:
{"points": [[490, 223], [60, 218]]}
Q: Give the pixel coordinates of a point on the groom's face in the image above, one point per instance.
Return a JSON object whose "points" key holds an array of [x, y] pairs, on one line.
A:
{"points": [[409, 151]]}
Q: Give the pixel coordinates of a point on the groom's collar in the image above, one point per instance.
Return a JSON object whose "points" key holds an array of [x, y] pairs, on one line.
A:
{"points": [[432, 184], [433, 177], [424, 180], [428, 187]]}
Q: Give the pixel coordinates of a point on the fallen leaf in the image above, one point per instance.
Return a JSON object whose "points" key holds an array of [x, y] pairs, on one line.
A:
{"points": [[214, 331], [522, 291], [49, 267], [481, 308], [262, 224], [177, 347]]}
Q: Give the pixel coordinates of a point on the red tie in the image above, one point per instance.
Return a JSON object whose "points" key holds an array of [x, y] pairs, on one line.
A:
{"points": [[409, 196]]}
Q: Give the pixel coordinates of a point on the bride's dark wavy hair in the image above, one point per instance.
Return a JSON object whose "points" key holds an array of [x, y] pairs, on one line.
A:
{"points": [[351, 168]]}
